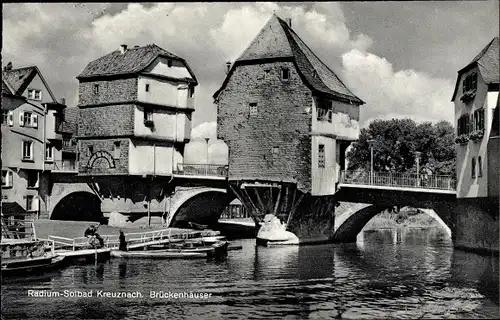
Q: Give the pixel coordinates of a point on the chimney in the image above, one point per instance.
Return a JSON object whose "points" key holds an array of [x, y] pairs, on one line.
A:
{"points": [[289, 22], [228, 67], [63, 101], [123, 48]]}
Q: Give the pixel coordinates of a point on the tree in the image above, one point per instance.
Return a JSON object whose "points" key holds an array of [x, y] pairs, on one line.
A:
{"points": [[395, 143]]}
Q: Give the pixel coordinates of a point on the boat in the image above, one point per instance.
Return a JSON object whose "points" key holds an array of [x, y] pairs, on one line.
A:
{"points": [[197, 226], [273, 232], [207, 240], [159, 254], [22, 252], [85, 255], [31, 265]]}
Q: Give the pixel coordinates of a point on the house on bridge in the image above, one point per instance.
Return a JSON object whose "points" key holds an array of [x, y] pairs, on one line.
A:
{"points": [[287, 119], [32, 140]]}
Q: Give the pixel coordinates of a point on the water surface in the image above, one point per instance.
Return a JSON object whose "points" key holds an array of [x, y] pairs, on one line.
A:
{"points": [[407, 274]]}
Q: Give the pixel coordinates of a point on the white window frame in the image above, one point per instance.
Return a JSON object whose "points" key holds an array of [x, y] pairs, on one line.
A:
{"points": [[49, 153], [148, 114], [10, 118], [30, 150], [33, 93], [8, 178]]}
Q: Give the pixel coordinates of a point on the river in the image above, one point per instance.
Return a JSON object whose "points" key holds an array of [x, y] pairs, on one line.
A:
{"points": [[404, 273]]}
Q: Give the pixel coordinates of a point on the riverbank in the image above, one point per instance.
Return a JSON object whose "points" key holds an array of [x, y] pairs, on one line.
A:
{"points": [[406, 218]]}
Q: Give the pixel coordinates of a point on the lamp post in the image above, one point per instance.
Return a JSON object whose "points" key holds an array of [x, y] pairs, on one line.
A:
{"points": [[370, 143], [206, 167], [417, 159]]}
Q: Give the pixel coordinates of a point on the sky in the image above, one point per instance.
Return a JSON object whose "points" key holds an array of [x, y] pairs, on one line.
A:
{"points": [[401, 58]]}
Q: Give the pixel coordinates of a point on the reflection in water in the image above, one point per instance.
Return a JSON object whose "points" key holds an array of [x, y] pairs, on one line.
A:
{"points": [[387, 274]]}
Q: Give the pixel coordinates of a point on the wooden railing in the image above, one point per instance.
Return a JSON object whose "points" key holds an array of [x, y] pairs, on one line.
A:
{"points": [[399, 180], [217, 170], [62, 166]]}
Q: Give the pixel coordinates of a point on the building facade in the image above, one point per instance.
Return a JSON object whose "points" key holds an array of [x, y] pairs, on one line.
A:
{"points": [[31, 140], [136, 107], [284, 114], [475, 98], [287, 120]]}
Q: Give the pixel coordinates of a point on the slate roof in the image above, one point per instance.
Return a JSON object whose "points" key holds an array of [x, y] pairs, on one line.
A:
{"points": [[70, 123], [20, 78], [487, 62], [5, 88], [277, 40], [133, 60]]}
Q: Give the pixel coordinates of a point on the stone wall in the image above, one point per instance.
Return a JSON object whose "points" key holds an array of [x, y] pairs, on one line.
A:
{"points": [[281, 121], [116, 90], [114, 120], [102, 165]]}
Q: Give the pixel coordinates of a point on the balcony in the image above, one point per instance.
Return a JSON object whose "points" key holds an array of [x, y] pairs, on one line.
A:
{"points": [[70, 165], [212, 171]]}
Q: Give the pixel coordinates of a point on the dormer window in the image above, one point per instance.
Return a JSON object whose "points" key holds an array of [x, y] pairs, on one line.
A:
{"points": [[96, 88], [285, 74]]}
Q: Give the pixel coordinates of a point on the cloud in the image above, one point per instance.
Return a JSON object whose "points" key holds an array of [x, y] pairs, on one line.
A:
{"points": [[204, 130], [62, 38], [389, 94]]}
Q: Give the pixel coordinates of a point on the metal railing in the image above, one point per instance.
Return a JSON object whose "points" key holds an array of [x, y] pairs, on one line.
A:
{"points": [[135, 239], [217, 170], [63, 166], [399, 180], [18, 229]]}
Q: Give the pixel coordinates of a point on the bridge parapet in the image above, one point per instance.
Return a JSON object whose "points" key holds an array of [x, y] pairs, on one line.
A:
{"points": [[398, 180]]}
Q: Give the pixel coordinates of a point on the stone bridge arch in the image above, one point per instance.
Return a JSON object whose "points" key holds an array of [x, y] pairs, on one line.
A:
{"points": [[78, 196], [350, 219], [199, 205]]}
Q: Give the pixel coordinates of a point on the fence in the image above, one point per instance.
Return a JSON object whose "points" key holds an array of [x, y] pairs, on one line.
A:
{"points": [[217, 170], [18, 229], [401, 180], [63, 165]]}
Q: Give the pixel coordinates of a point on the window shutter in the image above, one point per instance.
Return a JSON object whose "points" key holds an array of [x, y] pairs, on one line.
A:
{"points": [[21, 118], [9, 178], [34, 120], [10, 118]]}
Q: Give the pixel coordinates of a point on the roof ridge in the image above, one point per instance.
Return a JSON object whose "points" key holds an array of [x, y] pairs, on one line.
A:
{"points": [[321, 61], [483, 51]]}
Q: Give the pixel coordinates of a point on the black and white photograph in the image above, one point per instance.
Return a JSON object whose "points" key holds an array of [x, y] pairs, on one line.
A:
{"points": [[250, 160]]}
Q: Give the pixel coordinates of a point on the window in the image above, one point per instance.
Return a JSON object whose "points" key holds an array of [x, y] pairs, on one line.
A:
{"points": [[463, 125], [5, 117], [285, 74], [96, 88], [66, 141], [478, 119], [324, 110], [10, 118], [191, 91], [147, 87], [169, 63], [321, 156], [49, 152], [6, 178], [27, 150], [253, 109], [275, 151], [116, 150], [28, 119], [31, 203], [148, 114], [470, 82], [32, 179], [473, 168], [34, 94], [479, 167], [90, 150], [266, 73]]}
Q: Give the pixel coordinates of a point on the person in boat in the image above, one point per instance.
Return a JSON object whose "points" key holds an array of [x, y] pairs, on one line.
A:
{"points": [[123, 243], [92, 232]]}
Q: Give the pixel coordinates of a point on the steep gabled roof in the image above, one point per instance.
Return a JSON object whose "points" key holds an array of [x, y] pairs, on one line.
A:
{"points": [[19, 79], [277, 40], [487, 63], [132, 61]]}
